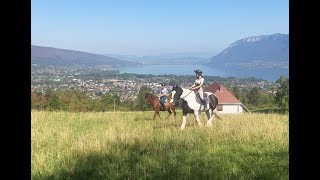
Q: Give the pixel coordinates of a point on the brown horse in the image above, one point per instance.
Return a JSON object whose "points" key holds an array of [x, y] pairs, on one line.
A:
{"points": [[155, 102]]}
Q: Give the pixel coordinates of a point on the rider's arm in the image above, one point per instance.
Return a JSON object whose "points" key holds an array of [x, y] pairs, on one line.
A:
{"points": [[162, 93], [193, 85], [196, 87]]}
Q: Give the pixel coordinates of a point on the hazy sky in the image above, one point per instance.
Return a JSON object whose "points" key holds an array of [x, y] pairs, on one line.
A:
{"points": [[151, 27]]}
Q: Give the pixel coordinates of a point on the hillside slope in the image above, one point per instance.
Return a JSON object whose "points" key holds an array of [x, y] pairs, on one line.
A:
{"points": [[62, 57], [265, 51]]}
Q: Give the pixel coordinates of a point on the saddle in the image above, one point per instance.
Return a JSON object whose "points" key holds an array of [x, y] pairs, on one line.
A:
{"points": [[203, 102], [162, 105]]}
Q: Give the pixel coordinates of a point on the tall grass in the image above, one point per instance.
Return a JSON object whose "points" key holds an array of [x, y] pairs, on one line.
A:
{"points": [[130, 145]]}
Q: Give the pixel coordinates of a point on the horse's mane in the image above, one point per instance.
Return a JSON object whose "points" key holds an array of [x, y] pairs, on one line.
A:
{"points": [[154, 96], [183, 89], [151, 95]]}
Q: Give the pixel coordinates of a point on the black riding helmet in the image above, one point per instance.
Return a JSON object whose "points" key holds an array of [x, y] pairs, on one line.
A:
{"points": [[198, 72]]}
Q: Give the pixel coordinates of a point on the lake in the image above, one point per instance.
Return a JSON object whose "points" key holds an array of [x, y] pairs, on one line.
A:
{"points": [[266, 74]]}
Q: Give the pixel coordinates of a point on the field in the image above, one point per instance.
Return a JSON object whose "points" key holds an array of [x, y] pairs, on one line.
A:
{"points": [[130, 145]]}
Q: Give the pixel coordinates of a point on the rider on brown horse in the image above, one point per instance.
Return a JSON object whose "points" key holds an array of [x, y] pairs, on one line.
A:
{"points": [[163, 95]]}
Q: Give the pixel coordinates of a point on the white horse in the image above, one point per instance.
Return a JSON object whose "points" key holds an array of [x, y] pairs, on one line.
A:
{"points": [[191, 104]]}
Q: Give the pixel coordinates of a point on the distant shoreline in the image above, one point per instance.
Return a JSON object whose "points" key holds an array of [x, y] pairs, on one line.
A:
{"points": [[271, 74]]}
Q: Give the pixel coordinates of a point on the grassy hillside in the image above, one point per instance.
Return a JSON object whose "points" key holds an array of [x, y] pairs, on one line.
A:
{"points": [[130, 145]]}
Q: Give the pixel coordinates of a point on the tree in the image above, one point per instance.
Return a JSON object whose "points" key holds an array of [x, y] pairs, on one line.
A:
{"points": [[38, 101], [141, 105], [109, 101], [243, 98], [282, 94], [266, 99], [236, 91], [254, 96], [53, 102]]}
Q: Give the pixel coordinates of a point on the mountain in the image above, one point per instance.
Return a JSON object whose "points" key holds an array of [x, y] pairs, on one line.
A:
{"points": [[265, 51], [170, 59], [62, 57]]}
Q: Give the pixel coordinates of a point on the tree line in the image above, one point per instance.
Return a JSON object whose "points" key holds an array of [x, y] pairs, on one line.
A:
{"points": [[76, 101], [254, 98]]}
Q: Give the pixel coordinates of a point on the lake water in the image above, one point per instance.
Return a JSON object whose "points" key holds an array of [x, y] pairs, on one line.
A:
{"points": [[268, 74]]}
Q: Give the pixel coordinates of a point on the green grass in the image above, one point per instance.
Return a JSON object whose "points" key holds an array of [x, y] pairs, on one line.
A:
{"points": [[268, 110], [130, 145]]}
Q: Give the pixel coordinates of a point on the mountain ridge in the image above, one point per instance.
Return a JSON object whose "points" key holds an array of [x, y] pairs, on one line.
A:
{"points": [[264, 50], [42, 55]]}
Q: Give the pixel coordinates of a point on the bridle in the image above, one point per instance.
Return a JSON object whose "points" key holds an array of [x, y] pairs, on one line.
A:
{"points": [[175, 99]]}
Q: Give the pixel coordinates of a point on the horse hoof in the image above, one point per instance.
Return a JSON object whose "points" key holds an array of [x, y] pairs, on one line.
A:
{"points": [[209, 125]]}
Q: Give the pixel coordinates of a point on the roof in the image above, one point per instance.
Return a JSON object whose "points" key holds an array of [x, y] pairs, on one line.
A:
{"points": [[225, 96], [212, 88], [222, 93]]}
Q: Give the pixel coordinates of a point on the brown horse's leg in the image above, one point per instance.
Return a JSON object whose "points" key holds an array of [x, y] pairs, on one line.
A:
{"points": [[169, 113], [154, 116], [158, 114], [156, 107]]}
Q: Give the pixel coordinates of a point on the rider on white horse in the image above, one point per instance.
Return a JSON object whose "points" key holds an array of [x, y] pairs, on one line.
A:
{"points": [[190, 104], [197, 86]]}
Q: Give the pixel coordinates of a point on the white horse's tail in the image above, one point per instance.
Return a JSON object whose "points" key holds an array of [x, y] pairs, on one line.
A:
{"points": [[213, 101]]}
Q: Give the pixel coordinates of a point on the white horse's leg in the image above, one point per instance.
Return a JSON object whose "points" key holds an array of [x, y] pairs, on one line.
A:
{"points": [[210, 116], [184, 121], [196, 114]]}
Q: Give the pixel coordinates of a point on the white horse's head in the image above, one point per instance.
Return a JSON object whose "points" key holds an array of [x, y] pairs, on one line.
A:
{"points": [[173, 92], [176, 93], [172, 96]]}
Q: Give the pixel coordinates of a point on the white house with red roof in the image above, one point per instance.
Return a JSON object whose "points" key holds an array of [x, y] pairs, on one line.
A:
{"points": [[227, 102]]}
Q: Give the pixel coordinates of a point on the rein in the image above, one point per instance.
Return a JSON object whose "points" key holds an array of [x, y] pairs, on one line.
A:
{"points": [[174, 99], [187, 94]]}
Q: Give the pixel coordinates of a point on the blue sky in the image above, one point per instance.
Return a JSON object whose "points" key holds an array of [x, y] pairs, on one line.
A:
{"points": [[152, 27]]}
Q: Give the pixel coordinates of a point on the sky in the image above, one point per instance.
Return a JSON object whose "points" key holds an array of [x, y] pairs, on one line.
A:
{"points": [[153, 27]]}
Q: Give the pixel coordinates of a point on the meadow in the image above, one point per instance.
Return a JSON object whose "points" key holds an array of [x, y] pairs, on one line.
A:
{"points": [[130, 145]]}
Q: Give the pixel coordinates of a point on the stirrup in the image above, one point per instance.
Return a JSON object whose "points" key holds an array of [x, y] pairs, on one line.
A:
{"points": [[203, 102], [162, 106]]}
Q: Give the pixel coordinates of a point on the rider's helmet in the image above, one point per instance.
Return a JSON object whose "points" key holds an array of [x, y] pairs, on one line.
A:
{"points": [[198, 72]]}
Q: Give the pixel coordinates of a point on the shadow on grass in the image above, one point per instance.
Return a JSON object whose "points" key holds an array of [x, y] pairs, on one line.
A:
{"points": [[171, 160], [135, 161]]}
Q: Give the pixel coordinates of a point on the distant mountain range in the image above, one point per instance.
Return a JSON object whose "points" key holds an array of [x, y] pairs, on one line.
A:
{"points": [[265, 51], [62, 57], [172, 58], [256, 56]]}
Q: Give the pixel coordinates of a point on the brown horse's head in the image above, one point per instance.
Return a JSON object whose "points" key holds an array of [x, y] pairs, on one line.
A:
{"points": [[149, 98]]}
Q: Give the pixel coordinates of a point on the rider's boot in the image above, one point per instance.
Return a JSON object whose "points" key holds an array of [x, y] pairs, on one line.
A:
{"points": [[203, 103], [162, 106]]}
